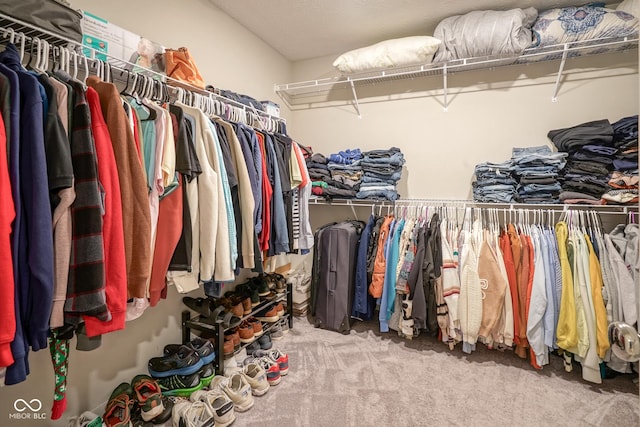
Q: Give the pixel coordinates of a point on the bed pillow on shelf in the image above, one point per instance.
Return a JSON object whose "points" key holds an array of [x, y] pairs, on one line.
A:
{"points": [[632, 7], [571, 24], [389, 53], [485, 33]]}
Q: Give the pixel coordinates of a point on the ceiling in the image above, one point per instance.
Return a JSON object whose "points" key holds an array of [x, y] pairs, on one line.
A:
{"points": [[304, 29]]}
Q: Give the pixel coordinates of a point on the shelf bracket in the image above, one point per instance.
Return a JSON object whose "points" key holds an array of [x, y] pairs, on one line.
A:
{"points": [[355, 99], [444, 87], [565, 51]]}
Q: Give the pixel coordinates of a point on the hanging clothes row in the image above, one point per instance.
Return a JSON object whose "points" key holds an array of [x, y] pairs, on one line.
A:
{"points": [[520, 281], [109, 196]]}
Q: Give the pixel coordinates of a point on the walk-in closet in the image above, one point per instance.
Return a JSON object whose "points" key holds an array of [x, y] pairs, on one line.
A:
{"points": [[319, 213]]}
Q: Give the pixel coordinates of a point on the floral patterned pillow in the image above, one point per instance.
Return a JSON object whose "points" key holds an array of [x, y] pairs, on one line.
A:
{"points": [[571, 24]]}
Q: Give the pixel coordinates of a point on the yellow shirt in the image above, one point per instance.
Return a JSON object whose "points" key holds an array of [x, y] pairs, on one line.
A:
{"points": [[567, 329], [598, 302]]}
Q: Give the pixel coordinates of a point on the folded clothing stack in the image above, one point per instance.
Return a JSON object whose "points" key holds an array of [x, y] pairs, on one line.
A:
{"points": [[595, 149], [537, 170], [494, 183], [346, 173], [623, 182], [382, 169]]}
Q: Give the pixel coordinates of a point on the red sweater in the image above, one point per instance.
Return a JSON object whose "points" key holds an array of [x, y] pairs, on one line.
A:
{"points": [[114, 255], [7, 291]]}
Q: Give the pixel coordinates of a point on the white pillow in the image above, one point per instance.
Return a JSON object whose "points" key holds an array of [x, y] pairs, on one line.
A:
{"points": [[630, 6], [389, 53]]}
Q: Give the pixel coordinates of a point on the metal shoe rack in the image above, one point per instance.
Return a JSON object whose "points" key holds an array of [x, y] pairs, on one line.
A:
{"points": [[195, 323]]}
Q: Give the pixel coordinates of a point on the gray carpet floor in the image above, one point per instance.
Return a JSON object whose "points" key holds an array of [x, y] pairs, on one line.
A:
{"points": [[367, 378]]}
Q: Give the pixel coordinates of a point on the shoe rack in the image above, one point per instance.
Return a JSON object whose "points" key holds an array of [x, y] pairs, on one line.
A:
{"points": [[190, 323]]}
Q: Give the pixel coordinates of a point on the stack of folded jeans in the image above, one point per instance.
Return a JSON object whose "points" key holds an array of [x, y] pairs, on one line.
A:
{"points": [[623, 182], [494, 183], [537, 170], [591, 152], [382, 169]]}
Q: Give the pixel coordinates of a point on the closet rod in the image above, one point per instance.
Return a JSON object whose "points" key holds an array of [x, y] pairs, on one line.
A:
{"points": [[31, 31], [604, 209]]}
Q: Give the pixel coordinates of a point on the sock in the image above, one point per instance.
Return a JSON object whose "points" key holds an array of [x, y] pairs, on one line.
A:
{"points": [[59, 349]]}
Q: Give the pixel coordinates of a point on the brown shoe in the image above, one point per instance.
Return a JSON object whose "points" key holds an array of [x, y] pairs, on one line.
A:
{"points": [[246, 305], [234, 336], [246, 333], [228, 348], [280, 309], [257, 326], [233, 305], [268, 315]]}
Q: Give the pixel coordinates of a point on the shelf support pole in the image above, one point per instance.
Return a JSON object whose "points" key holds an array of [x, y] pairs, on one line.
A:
{"points": [[444, 87], [355, 99], [559, 76]]}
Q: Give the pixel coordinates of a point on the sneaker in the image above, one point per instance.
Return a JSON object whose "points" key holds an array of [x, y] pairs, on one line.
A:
{"points": [[192, 414], [180, 385], [231, 365], [278, 357], [246, 333], [281, 286], [206, 374], [86, 419], [219, 404], [165, 416], [276, 332], [147, 394], [254, 346], [265, 341], [284, 325], [238, 390], [228, 348], [118, 410], [280, 309], [185, 361], [269, 314], [256, 377], [204, 348], [270, 367]]}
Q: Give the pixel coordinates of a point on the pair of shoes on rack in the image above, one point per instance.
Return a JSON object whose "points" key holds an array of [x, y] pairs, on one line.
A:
{"points": [[272, 313], [230, 315], [140, 401], [249, 330]]}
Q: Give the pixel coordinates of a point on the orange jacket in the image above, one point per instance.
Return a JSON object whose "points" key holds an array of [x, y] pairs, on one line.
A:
{"points": [[380, 263]]}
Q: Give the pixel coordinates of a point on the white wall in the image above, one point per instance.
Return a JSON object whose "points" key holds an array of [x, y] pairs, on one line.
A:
{"points": [[230, 57], [490, 111]]}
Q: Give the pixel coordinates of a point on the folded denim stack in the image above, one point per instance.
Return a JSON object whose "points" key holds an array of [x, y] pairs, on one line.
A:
{"points": [[537, 170], [623, 182], [337, 177], [494, 183], [382, 169], [590, 149]]}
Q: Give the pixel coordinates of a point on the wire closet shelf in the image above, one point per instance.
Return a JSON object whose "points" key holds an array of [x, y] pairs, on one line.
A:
{"points": [[301, 93], [10, 26]]}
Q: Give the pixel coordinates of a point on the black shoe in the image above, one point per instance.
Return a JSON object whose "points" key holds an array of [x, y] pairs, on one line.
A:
{"points": [[185, 361], [200, 305], [204, 348]]}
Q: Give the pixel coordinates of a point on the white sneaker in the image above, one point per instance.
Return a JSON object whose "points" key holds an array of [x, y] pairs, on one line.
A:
{"points": [[136, 308], [231, 365], [85, 419], [257, 378], [219, 404], [179, 412], [198, 414], [238, 390]]}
